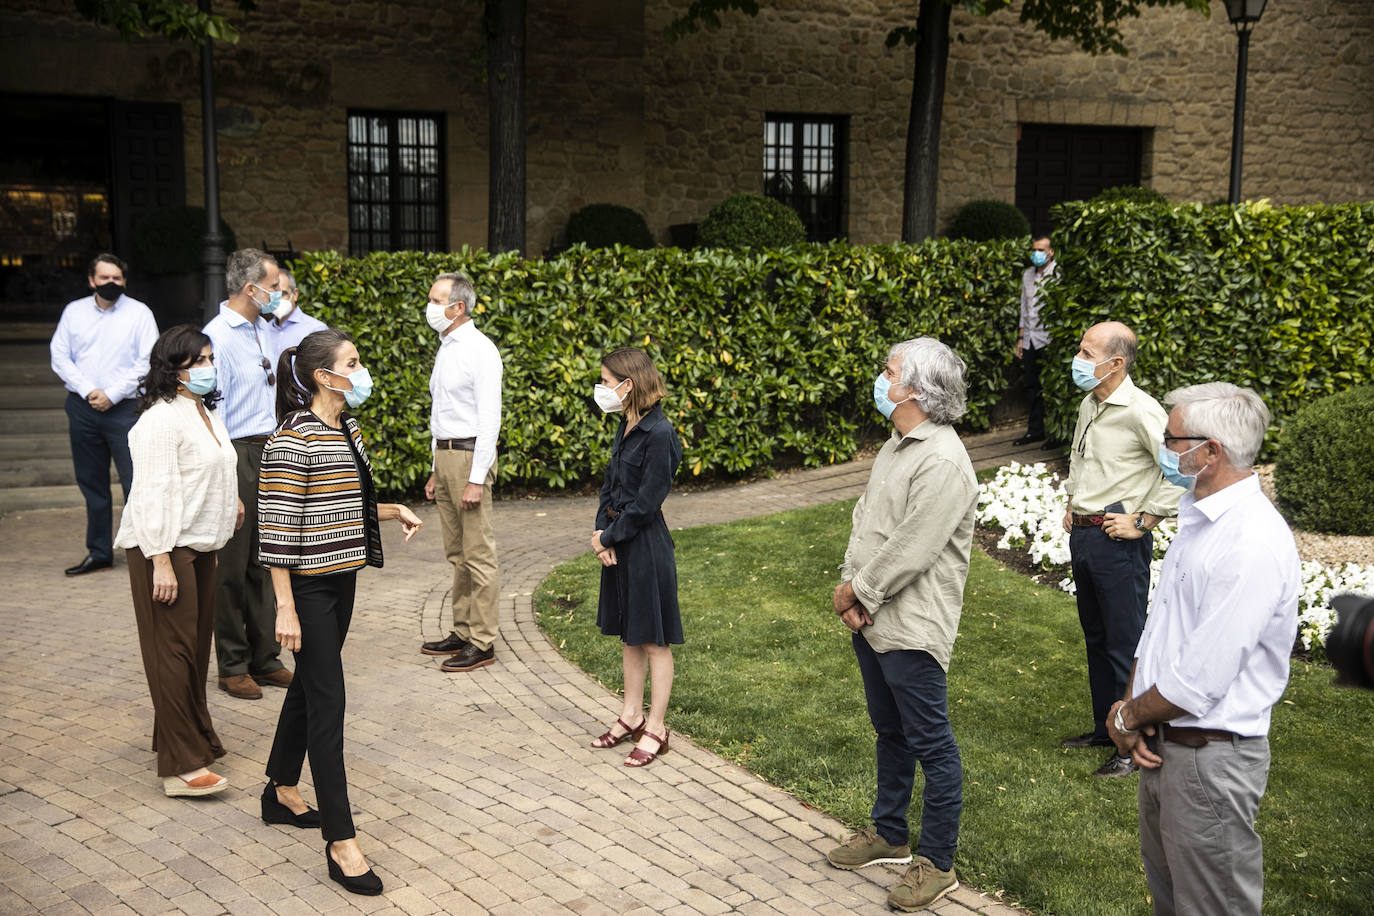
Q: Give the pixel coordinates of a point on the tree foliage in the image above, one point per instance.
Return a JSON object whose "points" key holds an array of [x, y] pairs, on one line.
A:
{"points": [[174, 19]]}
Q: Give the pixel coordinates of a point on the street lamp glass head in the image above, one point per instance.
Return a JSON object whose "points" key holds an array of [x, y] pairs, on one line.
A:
{"points": [[1244, 13]]}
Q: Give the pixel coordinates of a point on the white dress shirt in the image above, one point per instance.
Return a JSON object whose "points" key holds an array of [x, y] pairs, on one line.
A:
{"points": [[1034, 333], [294, 328], [466, 388], [1225, 612], [103, 348], [185, 490], [249, 403]]}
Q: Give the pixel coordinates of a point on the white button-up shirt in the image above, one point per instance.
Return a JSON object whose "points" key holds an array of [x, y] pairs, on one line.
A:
{"points": [[249, 403], [1032, 280], [294, 328], [466, 388], [103, 348], [1225, 612]]}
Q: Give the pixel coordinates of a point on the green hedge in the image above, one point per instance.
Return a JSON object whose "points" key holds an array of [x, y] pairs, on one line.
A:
{"points": [[768, 356], [1279, 299]]}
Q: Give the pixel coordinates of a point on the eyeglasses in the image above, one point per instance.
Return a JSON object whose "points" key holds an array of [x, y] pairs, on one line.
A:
{"points": [[267, 367], [1168, 438]]}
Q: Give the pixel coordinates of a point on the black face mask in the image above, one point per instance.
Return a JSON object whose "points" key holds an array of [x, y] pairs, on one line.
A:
{"points": [[109, 291]]}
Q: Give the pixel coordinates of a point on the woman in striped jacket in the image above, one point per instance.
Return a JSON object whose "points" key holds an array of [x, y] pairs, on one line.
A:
{"points": [[318, 524]]}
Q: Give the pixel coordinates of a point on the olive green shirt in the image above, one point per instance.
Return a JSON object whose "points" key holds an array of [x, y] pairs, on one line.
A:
{"points": [[908, 550], [1113, 455]]}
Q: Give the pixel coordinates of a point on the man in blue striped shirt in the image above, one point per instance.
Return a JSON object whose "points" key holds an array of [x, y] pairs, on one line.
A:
{"points": [[246, 644]]}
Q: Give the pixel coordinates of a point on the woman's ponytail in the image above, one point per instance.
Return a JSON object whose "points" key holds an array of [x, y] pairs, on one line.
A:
{"points": [[291, 397]]}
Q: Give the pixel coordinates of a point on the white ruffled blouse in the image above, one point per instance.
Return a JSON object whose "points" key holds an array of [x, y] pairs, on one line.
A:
{"points": [[184, 491]]}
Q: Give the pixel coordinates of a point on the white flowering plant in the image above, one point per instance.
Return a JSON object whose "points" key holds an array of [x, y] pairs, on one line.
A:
{"points": [[1027, 502]]}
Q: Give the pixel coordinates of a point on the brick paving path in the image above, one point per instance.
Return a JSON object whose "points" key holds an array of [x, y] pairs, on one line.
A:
{"points": [[472, 792]]}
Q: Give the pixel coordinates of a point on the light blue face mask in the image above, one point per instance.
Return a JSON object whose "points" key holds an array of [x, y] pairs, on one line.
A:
{"points": [[1168, 466], [361, 390], [1083, 372], [884, 403], [201, 380], [1040, 258], [273, 301]]}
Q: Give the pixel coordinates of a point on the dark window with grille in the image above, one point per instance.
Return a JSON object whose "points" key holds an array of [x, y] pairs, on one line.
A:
{"points": [[804, 167], [396, 190]]}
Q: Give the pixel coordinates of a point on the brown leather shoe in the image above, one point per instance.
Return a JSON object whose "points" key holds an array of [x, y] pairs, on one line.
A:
{"points": [[241, 686], [279, 678]]}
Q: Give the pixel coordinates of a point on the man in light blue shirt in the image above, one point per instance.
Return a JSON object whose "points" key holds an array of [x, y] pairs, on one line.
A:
{"points": [[100, 351], [289, 324], [246, 644]]}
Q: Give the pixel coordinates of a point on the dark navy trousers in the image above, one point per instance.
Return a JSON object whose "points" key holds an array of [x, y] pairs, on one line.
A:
{"points": [[1112, 579], [97, 438], [909, 710]]}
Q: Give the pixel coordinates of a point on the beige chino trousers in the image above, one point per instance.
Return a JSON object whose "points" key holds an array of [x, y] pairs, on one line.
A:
{"points": [[470, 545]]}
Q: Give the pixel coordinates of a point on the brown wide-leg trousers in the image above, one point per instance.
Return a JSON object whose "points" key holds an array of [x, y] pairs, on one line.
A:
{"points": [[175, 642]]}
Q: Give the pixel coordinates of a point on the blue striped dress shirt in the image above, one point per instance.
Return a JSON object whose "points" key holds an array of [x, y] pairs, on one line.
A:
{"points": [[240, 347]]}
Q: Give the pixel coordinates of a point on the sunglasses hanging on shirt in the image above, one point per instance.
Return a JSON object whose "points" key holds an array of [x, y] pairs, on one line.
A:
{"points": [[267, 367]]}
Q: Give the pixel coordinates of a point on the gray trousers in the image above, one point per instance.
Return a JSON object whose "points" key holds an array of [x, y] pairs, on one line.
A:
{"points": [[1197, 828], [245, 605]]}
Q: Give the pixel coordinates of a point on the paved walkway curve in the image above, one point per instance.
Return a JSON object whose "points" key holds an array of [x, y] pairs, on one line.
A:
{"points": [[472, 792]]}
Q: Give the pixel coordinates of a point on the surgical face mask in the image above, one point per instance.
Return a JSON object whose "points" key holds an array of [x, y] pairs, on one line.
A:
{"points": [[201, 380], [109, 291], [286, 308], [273, 301], [885, 404], [607, 399], [1168, 466], [1040, 258], [361, 380], [1083, 372], [434, 314]]}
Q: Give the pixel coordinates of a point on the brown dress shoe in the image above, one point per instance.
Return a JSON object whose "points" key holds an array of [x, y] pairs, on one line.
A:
{"points": [[241, 686], [279, 678]]}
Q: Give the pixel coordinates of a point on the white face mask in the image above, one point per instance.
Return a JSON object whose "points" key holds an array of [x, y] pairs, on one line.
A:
{"points": [[434, 314], [607, 399]]}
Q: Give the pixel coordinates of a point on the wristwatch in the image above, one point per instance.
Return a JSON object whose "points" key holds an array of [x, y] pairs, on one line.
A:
{"points": [[1120, 723], [1140, 522]]}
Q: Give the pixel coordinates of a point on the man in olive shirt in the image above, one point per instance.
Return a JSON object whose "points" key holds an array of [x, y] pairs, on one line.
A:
{"points": [[901, 593], [1117, 494]]}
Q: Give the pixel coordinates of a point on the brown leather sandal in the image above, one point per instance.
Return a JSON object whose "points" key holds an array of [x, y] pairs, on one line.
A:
{"points": [[609, 740], [640, 758]]}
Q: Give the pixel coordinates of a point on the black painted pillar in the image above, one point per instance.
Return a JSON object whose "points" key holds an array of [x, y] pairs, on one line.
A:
{"points": [[1238, 125], [212, 254]]}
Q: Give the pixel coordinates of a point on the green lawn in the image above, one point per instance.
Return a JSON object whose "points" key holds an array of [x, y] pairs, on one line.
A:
{"points": [[768, 679]]}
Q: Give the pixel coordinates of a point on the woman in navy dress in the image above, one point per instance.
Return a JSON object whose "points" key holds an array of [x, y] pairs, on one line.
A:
{"points": [[639, 571]]}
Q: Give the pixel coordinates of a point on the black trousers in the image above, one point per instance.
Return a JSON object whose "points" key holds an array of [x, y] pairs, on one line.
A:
{"points": [[312, 715], [97, 438], [1031, 358], [1112, 579]]}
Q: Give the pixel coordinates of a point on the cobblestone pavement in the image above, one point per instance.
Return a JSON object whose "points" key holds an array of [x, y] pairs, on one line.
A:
{"points": [[472, 792]]}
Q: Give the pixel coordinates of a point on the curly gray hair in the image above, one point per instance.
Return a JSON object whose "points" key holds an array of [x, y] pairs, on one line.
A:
{"points": [[936, 374]]}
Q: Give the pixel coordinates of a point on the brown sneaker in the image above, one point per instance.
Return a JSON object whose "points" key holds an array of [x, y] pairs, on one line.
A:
{"points": [[867, 848], [279, 678], [241, 686], [922, 885]]}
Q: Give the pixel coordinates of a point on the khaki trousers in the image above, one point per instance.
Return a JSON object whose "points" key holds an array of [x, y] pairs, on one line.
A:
{"points": [[470, 545]]}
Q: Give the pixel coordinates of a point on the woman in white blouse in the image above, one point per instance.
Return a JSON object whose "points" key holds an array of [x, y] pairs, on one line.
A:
{"points": [[182, 507]]}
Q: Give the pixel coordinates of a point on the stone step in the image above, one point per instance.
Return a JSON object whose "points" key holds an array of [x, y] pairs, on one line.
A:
{"points": [[42, 472], [32, 422], [68, 497], [27, 396], [50, 446], [24, 354]]}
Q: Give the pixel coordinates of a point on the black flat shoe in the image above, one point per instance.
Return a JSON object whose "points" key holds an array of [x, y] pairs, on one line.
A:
{"points": [[90, 564], [1026, 440], [367, 884], [274, 812]]}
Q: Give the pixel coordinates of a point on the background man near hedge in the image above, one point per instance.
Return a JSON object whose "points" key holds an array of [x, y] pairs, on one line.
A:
{"points": [[464, 421], [246, 644], [1032, 338], [1117, 494], [901, 593], [100, 350], [289, 324], [1212, 662]]}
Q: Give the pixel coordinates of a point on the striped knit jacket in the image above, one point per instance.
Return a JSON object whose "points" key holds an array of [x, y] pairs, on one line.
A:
{"points": [[317, 510]]}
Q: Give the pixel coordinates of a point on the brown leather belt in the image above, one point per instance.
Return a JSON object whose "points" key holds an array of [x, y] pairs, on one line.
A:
{"points": [[458, 445], [1196, 737], [253, 440], [1087, 521]]}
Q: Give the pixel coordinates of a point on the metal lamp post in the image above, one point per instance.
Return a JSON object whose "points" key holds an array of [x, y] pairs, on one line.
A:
{"points": [[1243, 15], [212, 254]]}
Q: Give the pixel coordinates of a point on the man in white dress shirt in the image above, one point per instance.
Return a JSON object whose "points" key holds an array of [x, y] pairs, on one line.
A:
{"points": [[464, 422], [1211, 662], [290, 325], [100, 350], [246, 646]]}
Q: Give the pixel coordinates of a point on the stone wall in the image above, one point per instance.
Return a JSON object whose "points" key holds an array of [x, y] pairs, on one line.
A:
{"points": [[617, 115]]}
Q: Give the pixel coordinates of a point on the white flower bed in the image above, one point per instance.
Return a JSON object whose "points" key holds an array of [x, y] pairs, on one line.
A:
{"points": [[1027, 502]]}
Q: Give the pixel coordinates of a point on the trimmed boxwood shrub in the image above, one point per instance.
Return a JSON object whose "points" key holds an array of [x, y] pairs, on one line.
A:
{"points": [[1278, 299], [751, 221], [1130, 192], [984, 220], [604, 225], [769, 355], [1322, 471], [168, 241]]}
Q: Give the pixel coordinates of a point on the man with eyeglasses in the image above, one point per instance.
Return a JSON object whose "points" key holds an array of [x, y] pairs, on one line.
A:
{"points": [[1117, 494], [246, 646]]}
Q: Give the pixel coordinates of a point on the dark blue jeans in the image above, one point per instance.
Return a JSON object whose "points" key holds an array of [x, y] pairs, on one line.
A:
{"points": [[96, 439], [907, 705], [1112, 579]]}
